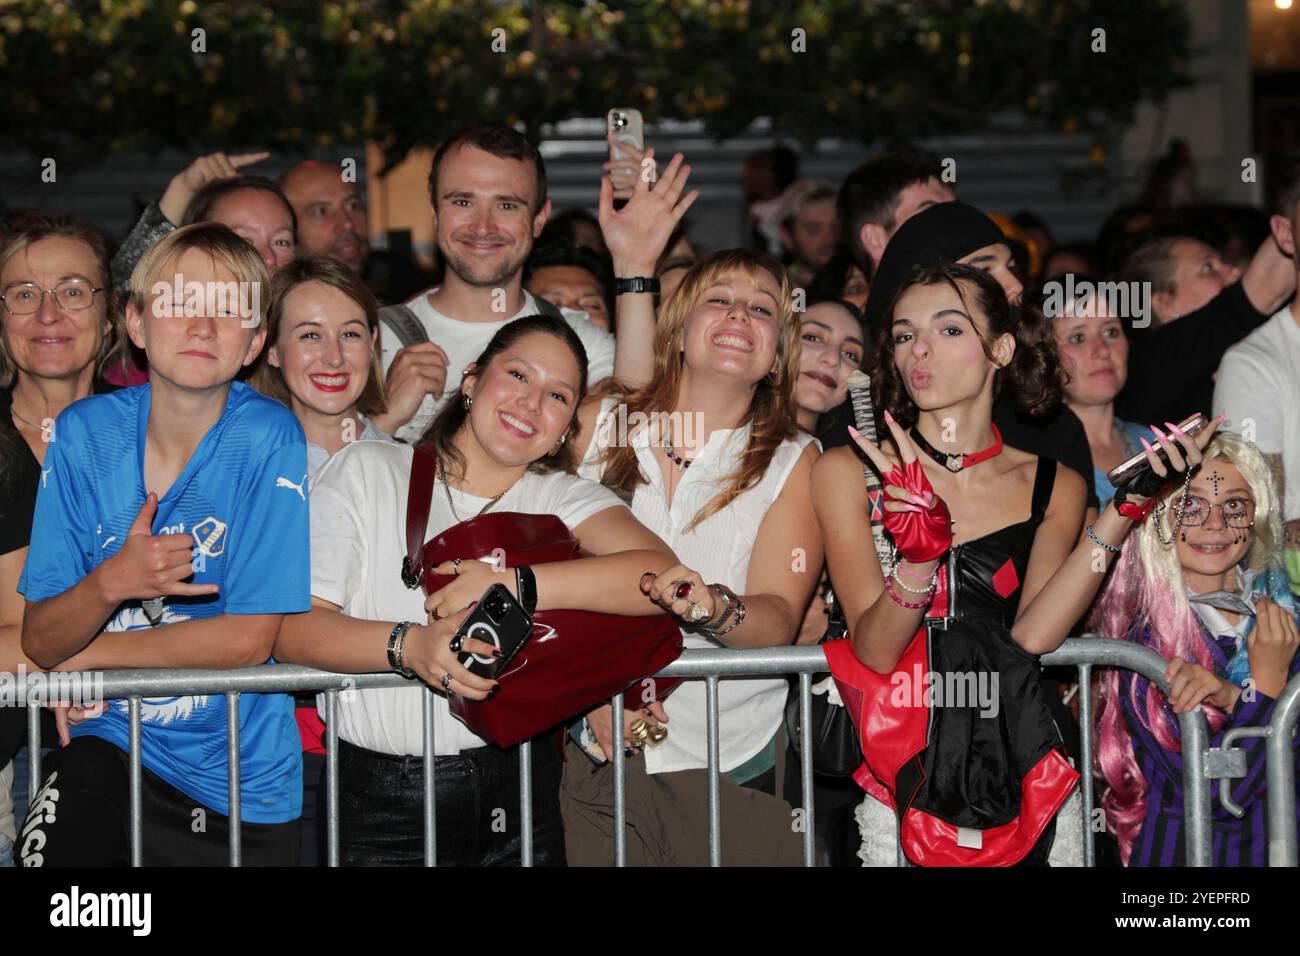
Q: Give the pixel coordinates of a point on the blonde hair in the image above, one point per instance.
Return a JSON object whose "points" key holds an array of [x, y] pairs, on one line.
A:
{"points": [[771, 413], [221, 244]]}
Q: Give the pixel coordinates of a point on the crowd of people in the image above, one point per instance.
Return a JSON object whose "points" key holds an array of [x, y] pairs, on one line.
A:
{"points": [[190, 481]]}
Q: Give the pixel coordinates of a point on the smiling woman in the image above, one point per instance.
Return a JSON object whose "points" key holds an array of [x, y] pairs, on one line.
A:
{"points": [[56, 332], [323, 360], [501, 445], [732, 500]]}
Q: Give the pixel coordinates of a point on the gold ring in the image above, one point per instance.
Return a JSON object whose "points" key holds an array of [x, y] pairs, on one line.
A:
{"points": [[638, 743], [695, 613], [658, 734], [639, 729]]}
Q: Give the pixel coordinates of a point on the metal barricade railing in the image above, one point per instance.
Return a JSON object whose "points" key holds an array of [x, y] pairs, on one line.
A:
{"points": [[711, 665]]}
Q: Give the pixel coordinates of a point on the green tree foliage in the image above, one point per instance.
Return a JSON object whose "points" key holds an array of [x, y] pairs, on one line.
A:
{"points": [[96, 75]]}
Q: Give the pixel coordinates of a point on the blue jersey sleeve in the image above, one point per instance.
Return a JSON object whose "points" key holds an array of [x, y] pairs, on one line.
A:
{"points": [[269, 566], [63, 541]]}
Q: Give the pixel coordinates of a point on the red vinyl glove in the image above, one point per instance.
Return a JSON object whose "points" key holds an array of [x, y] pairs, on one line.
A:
{"points": [[921, 532]]}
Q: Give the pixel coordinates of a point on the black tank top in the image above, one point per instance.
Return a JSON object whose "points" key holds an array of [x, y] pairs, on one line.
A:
{"points": [[990, 570]]}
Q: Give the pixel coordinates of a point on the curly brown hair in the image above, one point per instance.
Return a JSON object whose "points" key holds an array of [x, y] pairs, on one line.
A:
{"points": [[1033, 376]]}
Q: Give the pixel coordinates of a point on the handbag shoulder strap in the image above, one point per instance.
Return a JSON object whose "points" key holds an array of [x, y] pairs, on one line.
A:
{"points": [[419, 495]]}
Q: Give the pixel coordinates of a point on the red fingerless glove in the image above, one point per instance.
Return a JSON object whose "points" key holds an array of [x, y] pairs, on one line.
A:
{"points": [[922, 535]]}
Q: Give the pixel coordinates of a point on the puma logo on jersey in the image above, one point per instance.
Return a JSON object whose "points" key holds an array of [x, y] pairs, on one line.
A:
{"points": [[286, 483]]}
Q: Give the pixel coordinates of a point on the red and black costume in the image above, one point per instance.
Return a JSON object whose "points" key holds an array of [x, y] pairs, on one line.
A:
{"points": [[969, 789]]}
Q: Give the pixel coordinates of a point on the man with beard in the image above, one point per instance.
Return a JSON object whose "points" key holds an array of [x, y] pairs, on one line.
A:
{"points": [[332, 222], [487, 189]]}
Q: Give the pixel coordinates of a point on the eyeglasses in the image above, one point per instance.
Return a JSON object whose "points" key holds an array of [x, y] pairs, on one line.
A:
{"points": [[72, 295], [1236, 512]]}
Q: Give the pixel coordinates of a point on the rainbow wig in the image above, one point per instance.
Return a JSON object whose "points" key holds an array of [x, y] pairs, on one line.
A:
{"points": [[1146, 602]]}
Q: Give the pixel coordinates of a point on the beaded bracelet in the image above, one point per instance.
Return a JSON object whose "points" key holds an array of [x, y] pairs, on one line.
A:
{"points": [[889, 587], [928, 589], [1109, 547]]}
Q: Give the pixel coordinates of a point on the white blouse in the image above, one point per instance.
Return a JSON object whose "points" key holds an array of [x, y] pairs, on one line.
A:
{"points": [[718, 548], [358, 540]]}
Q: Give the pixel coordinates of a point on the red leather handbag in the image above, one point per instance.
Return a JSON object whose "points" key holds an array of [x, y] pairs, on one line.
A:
{"points": [[574, 659]]}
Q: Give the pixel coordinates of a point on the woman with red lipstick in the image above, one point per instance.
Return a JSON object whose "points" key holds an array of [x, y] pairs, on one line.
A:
{"points": [[505, 444], [719, 471], [323, 360], [1093, 348], [57, 330], [953, 343]]}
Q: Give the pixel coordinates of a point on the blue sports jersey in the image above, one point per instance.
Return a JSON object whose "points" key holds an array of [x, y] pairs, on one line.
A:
{"points": [[242, 498]]}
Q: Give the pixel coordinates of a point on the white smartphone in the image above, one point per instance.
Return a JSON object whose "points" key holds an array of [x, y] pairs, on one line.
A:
{"points": [[628, 127]]}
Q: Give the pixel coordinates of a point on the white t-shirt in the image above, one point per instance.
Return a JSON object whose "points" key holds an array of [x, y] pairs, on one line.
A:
{"points": [[358, 540], [464, 342], [1258, 385], [719, 548]]}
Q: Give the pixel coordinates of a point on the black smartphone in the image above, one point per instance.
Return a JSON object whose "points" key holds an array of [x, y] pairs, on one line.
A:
{"points": [[500, 621], [1138, 463]]}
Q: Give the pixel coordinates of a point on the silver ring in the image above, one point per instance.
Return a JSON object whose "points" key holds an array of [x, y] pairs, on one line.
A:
{"points": [[446, 682], [455, 563]]}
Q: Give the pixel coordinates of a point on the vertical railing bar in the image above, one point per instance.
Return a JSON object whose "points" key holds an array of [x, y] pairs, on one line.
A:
{"points": [[331, 778], [1280, 751], [806, 769], [620, 780], [33, 751], [715, 793], [1196, 788], [526, 803], [1085, 754], [235, 817], [136, 782], [430, 812]]}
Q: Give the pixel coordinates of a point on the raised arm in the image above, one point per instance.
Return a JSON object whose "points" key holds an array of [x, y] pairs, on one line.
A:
{"points": [[636, 236], [1046, 617], [1269, 280]]}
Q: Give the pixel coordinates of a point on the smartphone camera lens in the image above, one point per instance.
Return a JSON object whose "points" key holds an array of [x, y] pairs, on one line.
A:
{"points": [[620, 121], [496, 609]]}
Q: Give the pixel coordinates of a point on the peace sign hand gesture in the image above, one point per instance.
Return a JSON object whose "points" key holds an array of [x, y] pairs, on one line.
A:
{"points": [[915, 516]]}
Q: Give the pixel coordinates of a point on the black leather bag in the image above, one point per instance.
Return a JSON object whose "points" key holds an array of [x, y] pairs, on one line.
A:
{"points": [[835, 748]]}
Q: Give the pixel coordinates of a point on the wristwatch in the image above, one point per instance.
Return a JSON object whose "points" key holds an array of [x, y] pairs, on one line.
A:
{"points": [[636, 284]]}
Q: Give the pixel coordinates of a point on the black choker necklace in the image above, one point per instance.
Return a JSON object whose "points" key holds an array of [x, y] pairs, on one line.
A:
{"points": [[956, 463]]}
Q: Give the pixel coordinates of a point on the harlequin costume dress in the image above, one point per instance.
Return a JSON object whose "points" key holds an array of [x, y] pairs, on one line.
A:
{"points": [[957, 740]]}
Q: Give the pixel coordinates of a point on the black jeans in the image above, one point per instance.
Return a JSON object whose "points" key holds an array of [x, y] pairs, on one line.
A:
{"points": [[476, 801]]}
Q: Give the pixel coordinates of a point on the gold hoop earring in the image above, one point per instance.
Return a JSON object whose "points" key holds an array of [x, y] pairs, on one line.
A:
{"points": [[558, 445]]}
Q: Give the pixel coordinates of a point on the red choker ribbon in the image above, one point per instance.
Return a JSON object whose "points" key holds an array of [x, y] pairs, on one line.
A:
{"points": [[956, 463]]}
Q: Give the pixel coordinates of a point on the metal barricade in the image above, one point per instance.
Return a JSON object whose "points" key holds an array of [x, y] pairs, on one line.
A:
{"points": [[711, 665]]}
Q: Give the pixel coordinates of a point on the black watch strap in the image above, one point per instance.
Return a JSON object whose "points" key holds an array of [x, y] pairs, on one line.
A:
{"points": [[636, 284]]}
